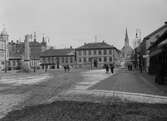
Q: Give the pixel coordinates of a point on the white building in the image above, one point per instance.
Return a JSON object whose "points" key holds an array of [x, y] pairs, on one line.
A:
{"points": [[3, 49], [95, 55]]}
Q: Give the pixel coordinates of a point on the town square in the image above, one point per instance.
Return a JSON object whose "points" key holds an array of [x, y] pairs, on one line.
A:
{"points": [[73, 65]]}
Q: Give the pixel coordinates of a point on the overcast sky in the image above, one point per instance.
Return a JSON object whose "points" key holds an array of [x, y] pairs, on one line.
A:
{"points": [[73, 22]]}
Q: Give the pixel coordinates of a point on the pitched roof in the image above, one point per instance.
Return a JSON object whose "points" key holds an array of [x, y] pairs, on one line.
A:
{"points": [[58, 52], [160, 41], [157, 30], [95, 45]]}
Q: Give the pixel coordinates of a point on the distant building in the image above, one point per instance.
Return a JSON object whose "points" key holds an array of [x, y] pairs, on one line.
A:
{"points": [[16, 53], [3, 49], [158, 55], [127, 51], [56, 58], [137, 39], [147, 42], [95, 55]]}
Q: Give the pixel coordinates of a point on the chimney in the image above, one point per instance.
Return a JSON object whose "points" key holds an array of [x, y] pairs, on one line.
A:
{"points": [[70, 47]]}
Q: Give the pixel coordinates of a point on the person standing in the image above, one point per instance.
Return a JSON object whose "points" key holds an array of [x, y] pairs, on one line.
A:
{"points": [[112, 68], [65, 68], [107, 68]]}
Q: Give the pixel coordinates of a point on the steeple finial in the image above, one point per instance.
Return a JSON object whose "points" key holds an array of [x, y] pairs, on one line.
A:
{"points": [[126, 38]]}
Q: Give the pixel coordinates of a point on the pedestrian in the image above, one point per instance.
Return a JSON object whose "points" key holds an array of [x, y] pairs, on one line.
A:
{"points": [[65, 67], [107, 68], [68, 68], [131, 67], [112, 68]]}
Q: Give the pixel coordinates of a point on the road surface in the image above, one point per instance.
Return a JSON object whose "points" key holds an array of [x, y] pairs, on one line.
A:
{"points": [[19, 90], [130, 81]]}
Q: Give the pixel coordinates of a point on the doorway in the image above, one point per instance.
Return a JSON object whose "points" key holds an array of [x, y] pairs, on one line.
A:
{"points": [[95, 63]]}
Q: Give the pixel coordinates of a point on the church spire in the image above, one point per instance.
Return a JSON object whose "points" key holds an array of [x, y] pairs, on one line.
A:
{"points": [[43, 38], [126, 38], [35, 38]]}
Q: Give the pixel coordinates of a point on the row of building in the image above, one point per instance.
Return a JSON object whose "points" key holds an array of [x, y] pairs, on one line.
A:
{"points": [[151, 54], [89, 55]]}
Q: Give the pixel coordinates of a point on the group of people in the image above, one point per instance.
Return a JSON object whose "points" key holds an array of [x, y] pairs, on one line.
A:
{"points": [[109, 67], [66, 68], [130, 67]]}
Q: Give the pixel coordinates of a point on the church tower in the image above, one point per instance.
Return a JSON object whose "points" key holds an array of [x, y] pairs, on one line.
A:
{"points": [[126, 39], [126, 50], [35, 37]]}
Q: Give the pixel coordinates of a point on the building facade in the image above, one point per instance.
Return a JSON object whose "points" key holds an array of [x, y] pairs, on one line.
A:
{"points": [[158, 59], [148, 41], [95, 55], [57, 58], [17, 53], [127, 50], [4, 50]]}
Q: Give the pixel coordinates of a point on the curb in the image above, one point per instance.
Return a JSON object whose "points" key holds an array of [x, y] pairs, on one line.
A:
{"points": [[134, 97]]}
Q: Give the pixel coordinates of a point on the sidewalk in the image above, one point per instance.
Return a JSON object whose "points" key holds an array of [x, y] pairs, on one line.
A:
{"points": [[131, 81], [151, 78]]}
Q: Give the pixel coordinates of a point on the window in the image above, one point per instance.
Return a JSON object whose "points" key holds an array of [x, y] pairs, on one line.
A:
{"points": [[99, 52], [105, 59], [94, 52], [80, 60], [89, 52], [90, 59], [62, 59], [79, 52], [110, 59], [14, 64], [84, 59], [110, 51], [49, 59], [99, 59], [105, 52], [66, 59], [71, 59], [84, 52]]}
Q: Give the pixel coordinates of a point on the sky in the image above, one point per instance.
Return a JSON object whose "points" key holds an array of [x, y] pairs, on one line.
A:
{"points": [[75, 22]]}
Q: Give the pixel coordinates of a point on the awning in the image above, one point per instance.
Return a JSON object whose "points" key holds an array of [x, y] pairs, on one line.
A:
{"points": [[157, 51], [163, 43]]}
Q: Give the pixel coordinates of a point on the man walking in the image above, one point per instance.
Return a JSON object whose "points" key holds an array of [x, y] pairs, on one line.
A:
{"points": [[106, 67], [112, 68]]}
